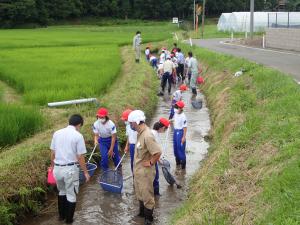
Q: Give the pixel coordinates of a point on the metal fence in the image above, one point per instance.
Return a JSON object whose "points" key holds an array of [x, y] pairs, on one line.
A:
{"points": [[284, 20]]}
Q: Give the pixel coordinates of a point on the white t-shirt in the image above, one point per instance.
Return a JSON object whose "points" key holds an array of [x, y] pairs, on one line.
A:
{"points": [[104, 130], [67, 143], [157, 139], [177, 95], [174, 60], [168, 66], [180, 121], [147, 51], [131, 134], [187, 59], [152, 58], [156, 135], [162, 58], [180, 58]]}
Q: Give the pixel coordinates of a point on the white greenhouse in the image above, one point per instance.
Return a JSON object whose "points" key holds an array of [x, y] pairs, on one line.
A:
{"points": [[223, 22], [240, 21]]}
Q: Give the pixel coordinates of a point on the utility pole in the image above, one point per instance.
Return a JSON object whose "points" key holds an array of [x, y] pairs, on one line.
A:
{"points": [[203, 17], [194, 12], [251, 18]]}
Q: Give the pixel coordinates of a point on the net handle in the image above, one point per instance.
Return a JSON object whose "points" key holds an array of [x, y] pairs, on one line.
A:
{"points": [[165, 145], [120, 162], [92, 154]]}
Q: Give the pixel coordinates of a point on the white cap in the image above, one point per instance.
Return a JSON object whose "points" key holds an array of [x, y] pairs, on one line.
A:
{"points": [[136, 116]]}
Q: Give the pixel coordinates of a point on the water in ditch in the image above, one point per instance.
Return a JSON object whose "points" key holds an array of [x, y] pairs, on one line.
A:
{"points": [[96, 206]]}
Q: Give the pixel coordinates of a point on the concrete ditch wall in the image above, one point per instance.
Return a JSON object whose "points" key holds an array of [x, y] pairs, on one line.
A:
{"points": [[283, 38]]}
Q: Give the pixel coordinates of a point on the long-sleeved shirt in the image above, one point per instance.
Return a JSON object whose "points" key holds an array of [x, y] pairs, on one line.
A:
{"points": [[193, 65], [137, 40]]}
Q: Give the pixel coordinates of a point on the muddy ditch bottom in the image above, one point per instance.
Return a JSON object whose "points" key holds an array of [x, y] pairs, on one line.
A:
{"points": [[96, 206]]}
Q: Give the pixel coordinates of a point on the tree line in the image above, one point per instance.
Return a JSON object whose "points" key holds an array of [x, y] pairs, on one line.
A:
{"points": [[43, 12]]}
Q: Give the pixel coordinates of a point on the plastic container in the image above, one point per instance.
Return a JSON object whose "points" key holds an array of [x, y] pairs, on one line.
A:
{"points": [[50, 178]]}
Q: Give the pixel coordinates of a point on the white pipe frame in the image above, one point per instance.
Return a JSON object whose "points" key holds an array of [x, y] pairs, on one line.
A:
{"points": [[76, 101]]}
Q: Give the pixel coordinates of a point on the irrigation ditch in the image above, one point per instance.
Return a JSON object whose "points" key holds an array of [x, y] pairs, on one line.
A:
{"points": [[96, 206]]}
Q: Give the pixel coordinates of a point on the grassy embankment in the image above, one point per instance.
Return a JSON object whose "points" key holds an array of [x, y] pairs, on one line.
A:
{"points": [[252, 172], [23, 166]]}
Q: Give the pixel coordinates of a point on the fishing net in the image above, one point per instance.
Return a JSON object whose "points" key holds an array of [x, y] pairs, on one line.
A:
{"points": [[111, 181]]}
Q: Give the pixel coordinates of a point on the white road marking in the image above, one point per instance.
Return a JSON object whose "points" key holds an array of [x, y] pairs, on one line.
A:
{"points": [[261, 49]]}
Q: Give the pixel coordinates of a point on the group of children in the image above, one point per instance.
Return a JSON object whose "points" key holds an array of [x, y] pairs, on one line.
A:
{"points": [[171, 66], [105, 134]]}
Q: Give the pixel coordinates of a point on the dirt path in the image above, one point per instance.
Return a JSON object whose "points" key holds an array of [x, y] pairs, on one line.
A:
{"points": [[9, 94]]}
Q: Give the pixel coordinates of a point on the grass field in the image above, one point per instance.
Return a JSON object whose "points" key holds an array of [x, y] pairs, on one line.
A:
{"points": [[1, 93], [18, 122], [252, 172], [83, 35], [61, 63], [29, 160], [64, 62], [60, 73]]}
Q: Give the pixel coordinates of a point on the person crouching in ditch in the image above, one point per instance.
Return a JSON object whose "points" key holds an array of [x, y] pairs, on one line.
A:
{"points": [[67, 152]]}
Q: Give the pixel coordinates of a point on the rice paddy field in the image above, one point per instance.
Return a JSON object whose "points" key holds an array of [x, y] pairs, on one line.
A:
{"points": [[60, 63], [60, 73]]}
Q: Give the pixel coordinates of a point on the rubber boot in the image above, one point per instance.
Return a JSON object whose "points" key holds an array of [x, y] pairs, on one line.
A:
{"points": [[177, 162], [194, 91], [156, 191], [148, 216], [183, 164], [70, 212], [142, 212], [62, 202]]}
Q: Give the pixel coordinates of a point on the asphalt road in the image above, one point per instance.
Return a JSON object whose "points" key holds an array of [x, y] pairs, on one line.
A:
{"points": [[287, 62]]}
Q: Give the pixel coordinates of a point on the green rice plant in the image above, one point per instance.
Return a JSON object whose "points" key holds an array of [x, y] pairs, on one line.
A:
{"points": [[83, 35], [60, 73], [1, 93], [18, 122]]}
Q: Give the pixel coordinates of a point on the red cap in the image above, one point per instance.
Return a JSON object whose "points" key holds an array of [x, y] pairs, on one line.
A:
{"points": [[200, 80], [125, 114], [180, 104], [164, 122], [102, 112], [183, 87]]}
